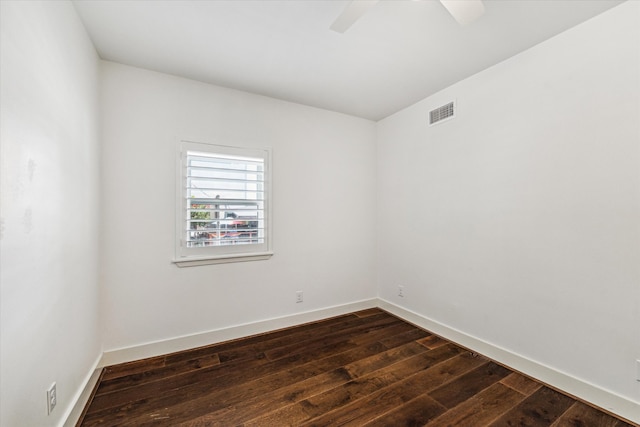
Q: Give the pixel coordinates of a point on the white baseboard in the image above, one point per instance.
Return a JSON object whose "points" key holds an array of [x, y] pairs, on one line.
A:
{"points": [[593, 394], [80, 399], [583, 390], [172, 345], [186, 342]]}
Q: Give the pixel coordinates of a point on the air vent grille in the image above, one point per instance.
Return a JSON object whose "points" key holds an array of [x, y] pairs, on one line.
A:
{"points": [[442, 113]]}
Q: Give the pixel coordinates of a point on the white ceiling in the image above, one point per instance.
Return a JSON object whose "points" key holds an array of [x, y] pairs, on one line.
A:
{"points": [[398, 53]]}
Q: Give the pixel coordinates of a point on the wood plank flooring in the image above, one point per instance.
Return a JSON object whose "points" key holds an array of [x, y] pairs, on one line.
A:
{"points": [[365, 368]]}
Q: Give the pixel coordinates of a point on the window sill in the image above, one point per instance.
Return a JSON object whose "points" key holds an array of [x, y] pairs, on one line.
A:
{"points": [[222, 259]]}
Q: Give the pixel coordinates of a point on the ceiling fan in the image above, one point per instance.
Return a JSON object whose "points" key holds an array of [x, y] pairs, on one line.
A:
{"points": [[463, 11]]}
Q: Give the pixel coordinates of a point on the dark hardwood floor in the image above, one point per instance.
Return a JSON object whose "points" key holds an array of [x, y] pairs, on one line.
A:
{"points": [[366, 368]]}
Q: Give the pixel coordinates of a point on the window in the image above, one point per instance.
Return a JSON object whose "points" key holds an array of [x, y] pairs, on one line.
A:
{"points": [[223, 211]]}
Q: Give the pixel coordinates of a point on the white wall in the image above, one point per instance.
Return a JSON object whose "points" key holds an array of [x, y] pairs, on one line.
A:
{"points": [[49, 201], [518, 222], [323, 192]]}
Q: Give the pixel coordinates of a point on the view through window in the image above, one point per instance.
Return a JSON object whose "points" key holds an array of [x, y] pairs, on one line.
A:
{"points": [[224, 200]]}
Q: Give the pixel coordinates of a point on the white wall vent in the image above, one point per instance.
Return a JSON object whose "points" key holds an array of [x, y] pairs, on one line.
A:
{"points": [[446, 112]]}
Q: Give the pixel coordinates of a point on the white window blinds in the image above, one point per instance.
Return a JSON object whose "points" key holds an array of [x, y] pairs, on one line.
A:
{"points": [[224, 199]]}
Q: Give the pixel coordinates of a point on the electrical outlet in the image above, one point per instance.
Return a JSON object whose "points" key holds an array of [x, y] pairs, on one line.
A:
{"points": [[401, 291], [52, 398], [637, 369], [299, 296]]}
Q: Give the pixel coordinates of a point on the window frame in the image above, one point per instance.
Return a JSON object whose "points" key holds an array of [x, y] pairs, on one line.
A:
{"points": [[187, 257]]}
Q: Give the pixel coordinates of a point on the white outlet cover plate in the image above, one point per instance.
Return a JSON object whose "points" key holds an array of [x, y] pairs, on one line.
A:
{"points": [[52, 398]]}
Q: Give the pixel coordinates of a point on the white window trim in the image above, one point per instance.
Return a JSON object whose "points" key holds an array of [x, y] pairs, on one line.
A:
{"points": [[197, 258], [221, 259]]}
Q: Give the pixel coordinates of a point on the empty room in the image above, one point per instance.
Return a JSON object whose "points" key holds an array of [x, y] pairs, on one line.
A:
{"points": [[320, 212]]}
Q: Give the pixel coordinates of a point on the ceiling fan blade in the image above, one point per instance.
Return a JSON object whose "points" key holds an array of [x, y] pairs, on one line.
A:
{"points": [[354, 10], [464, 11]]}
